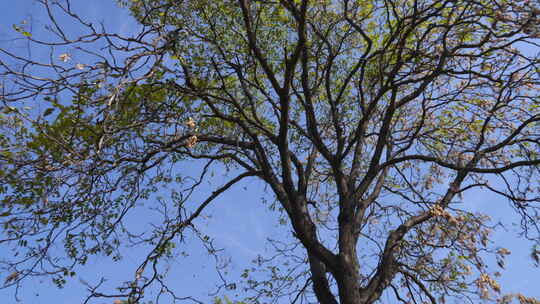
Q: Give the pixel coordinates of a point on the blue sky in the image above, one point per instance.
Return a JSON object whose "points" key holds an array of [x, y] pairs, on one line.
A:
{"points": [[240, 223]]}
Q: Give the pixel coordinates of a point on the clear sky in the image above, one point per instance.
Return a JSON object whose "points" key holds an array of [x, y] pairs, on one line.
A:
{"points": [[240, 222]]}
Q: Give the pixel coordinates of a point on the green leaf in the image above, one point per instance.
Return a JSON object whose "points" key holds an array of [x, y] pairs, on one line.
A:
{"points": [[48, 112]]}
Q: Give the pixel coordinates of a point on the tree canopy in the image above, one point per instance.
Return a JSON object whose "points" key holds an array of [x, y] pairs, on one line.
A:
{"points": [[367, 121]]}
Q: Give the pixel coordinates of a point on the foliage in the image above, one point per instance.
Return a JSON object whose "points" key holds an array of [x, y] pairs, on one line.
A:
{"points": [[367, 120]]}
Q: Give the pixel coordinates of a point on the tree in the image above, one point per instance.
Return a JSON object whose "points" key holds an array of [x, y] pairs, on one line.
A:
{"points": [[367, 120]]}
